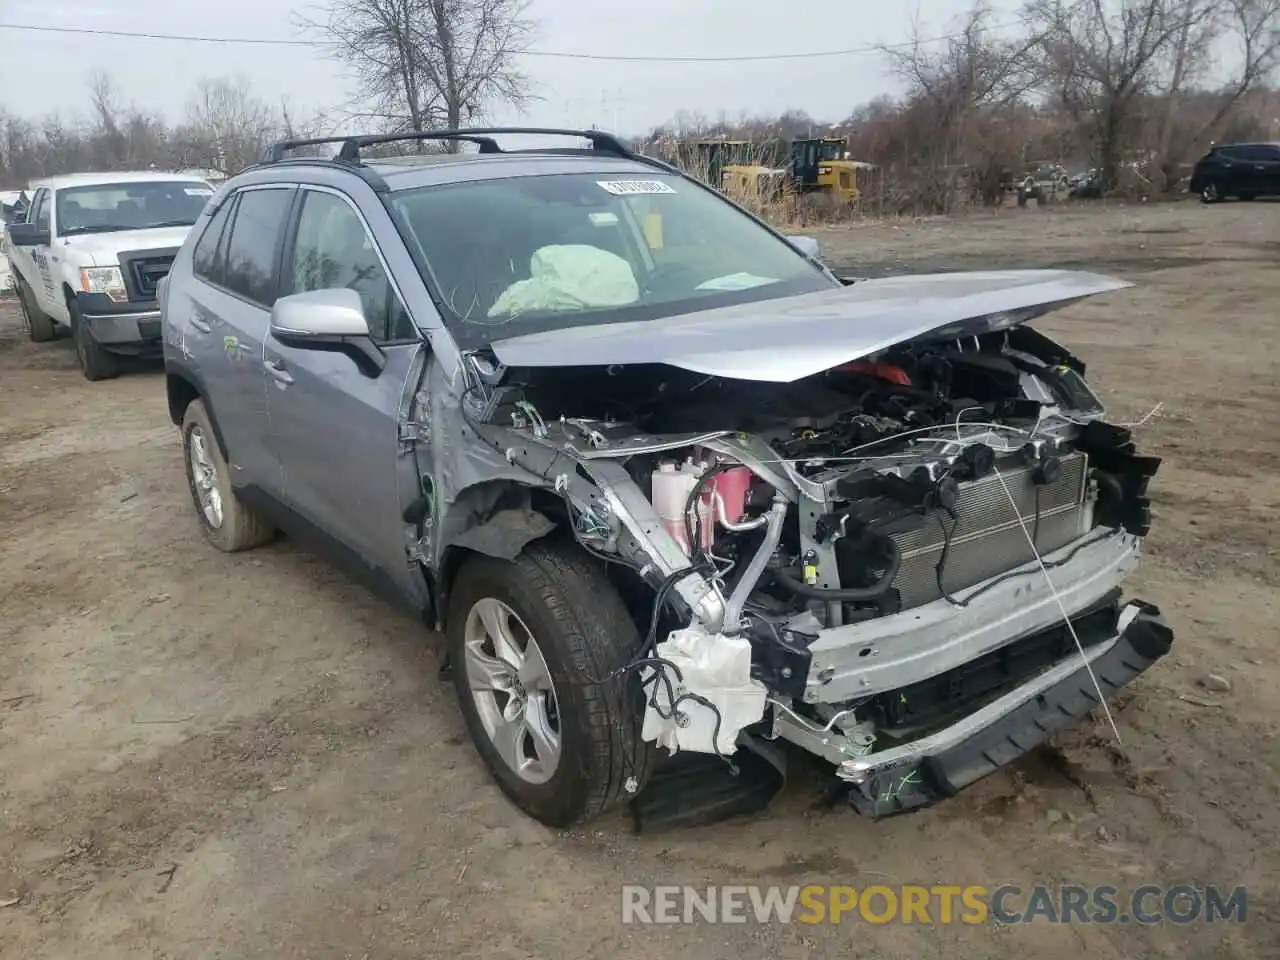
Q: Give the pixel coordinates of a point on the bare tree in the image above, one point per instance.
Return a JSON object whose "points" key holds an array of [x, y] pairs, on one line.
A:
{"points": [[1100, 58], [227, 126], [962, 104], [1187, 57], [1254, 26], [421, 63]]}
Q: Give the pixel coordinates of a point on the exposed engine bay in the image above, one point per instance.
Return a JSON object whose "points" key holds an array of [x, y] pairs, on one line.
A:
{"points": [[855, 561]]}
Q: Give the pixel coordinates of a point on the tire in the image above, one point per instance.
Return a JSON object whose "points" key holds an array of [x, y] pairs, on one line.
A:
{"points": [[232, 526], [564, 601], [40, 328], [95, 362], [1209, 194]]}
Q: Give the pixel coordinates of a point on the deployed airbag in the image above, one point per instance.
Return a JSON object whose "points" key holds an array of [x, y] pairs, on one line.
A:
{"points": [[569, 277]]}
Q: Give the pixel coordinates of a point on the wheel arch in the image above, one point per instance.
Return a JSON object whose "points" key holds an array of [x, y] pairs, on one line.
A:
{"points": [[182, 386], [495, 518]]}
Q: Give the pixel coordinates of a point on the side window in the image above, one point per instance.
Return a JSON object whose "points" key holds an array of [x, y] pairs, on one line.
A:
{"points": [[255, 237], [40, 211], [333, 249], [207, 261]]}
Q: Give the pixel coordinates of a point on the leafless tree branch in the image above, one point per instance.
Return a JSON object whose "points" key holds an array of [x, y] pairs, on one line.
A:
{"points": [[425, 63]]}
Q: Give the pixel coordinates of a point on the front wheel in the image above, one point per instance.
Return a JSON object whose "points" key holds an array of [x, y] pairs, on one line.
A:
{"points": [[39, 326], [95, 362], [1210, 194], [530, 641]]}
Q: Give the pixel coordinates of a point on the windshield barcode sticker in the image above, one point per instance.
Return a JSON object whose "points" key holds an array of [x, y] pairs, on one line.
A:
{"points": [[624, 188], [198, 192]]}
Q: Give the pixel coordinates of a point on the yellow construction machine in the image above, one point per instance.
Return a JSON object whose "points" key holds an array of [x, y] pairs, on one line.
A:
{"points": [[735, 168], [822, 164]]}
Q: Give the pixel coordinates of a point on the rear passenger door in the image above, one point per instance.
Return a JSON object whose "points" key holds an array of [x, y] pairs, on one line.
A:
{"points": [[1267, 163], [230, 312], [336, 428], [1245, 174]]}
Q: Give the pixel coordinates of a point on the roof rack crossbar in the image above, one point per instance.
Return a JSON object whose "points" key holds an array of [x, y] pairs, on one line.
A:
{"points": [[599, 140], [351, 148], [276, 151], [348, 154]]}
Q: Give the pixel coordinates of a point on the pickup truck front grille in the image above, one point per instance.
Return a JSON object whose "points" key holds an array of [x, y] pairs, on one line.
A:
{"points": [[144, 269]]}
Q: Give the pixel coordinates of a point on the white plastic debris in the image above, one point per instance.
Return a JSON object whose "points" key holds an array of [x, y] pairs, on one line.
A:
{"points": [[715, 668]]}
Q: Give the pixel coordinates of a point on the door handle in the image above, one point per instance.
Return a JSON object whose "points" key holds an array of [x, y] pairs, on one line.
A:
{"points": [[200, 323], [277, 371]]}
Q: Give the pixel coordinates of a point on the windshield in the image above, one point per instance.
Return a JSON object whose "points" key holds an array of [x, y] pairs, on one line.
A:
{"points": [[138, 205], [525, 255]]}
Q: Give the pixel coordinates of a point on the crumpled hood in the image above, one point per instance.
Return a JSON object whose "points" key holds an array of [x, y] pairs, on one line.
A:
{"points": [[103, 249], [794, 337]]}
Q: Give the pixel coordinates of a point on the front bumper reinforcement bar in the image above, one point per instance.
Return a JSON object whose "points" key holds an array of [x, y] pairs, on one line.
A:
{"points": [[940, 765]]}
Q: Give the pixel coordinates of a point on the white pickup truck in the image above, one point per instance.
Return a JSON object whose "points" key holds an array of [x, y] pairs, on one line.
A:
{"points": [[90, 253]]}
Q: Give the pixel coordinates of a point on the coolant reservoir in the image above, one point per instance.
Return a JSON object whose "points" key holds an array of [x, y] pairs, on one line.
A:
{"points": [[672, 486]]}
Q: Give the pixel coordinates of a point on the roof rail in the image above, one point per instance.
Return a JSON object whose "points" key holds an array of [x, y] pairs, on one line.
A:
{"points": [[349, 152]]}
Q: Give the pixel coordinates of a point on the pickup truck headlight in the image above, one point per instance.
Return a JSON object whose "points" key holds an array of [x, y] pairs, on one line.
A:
{"points": [[106, 280]]}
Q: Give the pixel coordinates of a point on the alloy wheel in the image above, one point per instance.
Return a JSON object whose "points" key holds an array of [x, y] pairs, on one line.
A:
{"points": [[512, 690], [204, 477]]}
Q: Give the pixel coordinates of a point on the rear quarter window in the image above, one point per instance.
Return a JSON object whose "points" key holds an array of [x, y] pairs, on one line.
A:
{"points": [[207, 261]]}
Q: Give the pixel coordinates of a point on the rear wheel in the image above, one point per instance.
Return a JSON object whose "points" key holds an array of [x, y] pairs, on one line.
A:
{"points": [[529, 639], [227, 523], [39, 327], [95, 361]]}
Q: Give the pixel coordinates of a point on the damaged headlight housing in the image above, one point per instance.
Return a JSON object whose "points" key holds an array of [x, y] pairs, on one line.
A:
{"points": [[108, 280]]}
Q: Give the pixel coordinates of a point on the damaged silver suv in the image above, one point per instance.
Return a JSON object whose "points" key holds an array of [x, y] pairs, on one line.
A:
{"points": [[673, 491]]}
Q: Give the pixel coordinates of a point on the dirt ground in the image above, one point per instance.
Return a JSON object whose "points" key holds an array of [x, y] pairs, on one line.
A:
{"points": [[208, 756]]}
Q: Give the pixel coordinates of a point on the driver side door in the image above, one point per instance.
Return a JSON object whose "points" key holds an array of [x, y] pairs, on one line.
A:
{"points": [[335, 426]]}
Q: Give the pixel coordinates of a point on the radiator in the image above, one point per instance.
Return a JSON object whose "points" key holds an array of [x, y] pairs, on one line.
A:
{"points": [[987, 539]]}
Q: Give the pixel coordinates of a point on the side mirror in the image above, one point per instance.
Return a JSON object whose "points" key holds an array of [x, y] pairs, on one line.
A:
{"points": [[27, 234], [332, 319], [809, 246]]}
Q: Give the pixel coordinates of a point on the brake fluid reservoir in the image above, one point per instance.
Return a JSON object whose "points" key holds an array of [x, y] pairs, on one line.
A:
{"points": [[732, 486]]}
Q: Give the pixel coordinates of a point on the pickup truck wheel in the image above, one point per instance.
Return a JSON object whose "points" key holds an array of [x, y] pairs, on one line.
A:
{"points": [[227, 523], [529, 639], [39, 327], [95, 362]]}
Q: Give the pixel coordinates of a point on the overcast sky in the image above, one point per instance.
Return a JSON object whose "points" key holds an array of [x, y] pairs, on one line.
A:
{"points": [[41, 72]]}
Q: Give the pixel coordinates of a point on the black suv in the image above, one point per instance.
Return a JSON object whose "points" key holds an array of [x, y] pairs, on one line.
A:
{"points": [[1242, 170]]}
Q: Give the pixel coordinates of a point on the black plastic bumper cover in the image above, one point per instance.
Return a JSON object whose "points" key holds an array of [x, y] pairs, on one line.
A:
{"points": [[922, 780]]}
